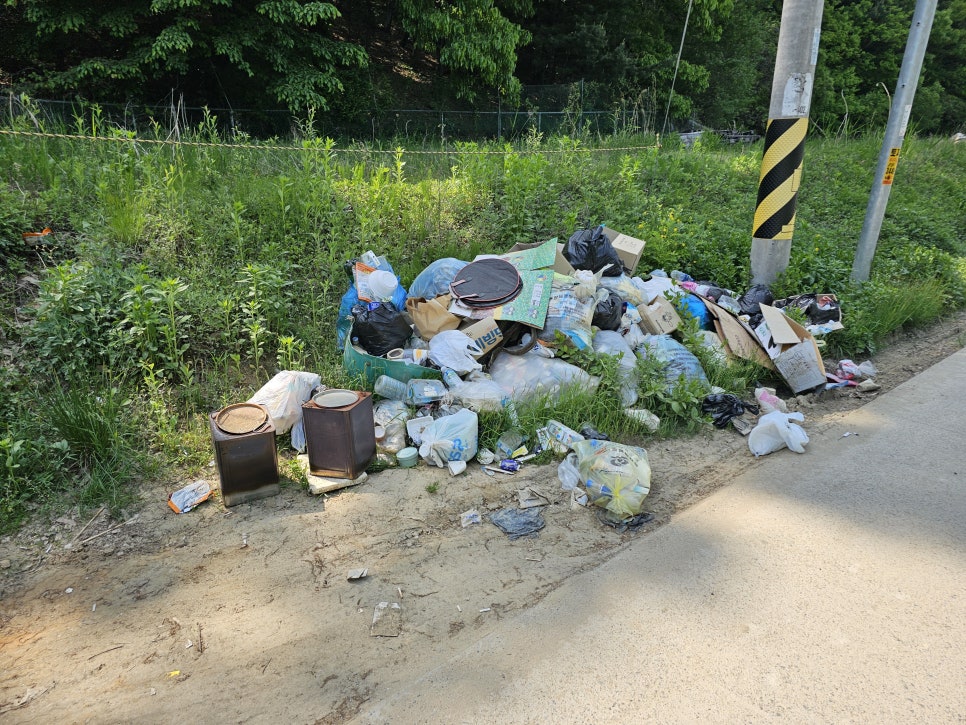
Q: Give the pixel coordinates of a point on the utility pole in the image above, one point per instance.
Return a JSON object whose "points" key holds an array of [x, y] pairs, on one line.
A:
{"points": [[781, 165], [892, 143]]}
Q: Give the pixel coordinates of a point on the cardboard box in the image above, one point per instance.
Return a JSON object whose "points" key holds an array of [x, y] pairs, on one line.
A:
{"points": [[738, 339], [485, 334], [792, 349], [628, 248], [659, 317]]}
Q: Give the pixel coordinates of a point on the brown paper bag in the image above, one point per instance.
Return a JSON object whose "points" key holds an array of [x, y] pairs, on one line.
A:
{"points": [[431, 316]]}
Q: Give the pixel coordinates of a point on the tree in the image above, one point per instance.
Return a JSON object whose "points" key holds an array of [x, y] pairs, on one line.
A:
{"points": [[863, 42], [209, 50]]}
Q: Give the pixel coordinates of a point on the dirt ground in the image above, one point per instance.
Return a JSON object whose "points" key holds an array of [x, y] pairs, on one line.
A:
{"points": [[246, 614]]}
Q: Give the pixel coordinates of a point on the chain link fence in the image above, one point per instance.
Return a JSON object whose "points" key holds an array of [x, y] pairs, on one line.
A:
{"points": [[573, 109]]}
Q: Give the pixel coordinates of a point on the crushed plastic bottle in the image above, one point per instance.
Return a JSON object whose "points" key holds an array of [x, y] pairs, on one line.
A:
{"points": [[389, 387]]}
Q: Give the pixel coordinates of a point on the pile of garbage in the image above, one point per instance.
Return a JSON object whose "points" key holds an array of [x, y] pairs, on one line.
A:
{"points": [[483, 335]]}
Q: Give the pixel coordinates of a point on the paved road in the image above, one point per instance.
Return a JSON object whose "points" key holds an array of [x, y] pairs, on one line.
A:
{"points": [[823, 587]]}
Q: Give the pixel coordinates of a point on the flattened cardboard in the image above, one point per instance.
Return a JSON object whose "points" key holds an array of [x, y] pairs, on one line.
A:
{"points": [[485, 334], [659, 317], [628, 248], [738, 339], [560, 263]]}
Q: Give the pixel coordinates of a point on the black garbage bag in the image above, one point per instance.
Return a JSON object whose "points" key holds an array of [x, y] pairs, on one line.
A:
{"points": [[379, 327], [607, 314], [725, 406], [752, 300], [591, 249]]}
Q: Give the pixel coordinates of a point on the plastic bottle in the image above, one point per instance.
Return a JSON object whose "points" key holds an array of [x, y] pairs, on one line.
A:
{"points": [[559, 432], [511, 410], [451, 378], [510, 442], [391, 388]]}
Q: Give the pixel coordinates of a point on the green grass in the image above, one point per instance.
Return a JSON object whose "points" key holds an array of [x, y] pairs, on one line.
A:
{"points": [[179, 278]]}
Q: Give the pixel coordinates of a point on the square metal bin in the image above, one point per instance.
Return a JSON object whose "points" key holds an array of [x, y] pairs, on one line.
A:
{"points": [[247, 462], [340, 441]]}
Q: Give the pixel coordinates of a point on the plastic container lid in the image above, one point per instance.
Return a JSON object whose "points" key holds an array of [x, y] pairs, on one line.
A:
{"points": [[335, 398], [241, 418], [407, 457], [383, 284]]}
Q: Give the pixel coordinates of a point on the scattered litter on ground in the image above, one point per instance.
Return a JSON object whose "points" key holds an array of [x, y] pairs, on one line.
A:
{"points": [[185, 499], [386, 620], [516, 523]]}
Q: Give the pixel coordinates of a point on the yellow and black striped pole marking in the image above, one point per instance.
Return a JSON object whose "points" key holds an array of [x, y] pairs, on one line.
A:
{"points": [[781, 172]]}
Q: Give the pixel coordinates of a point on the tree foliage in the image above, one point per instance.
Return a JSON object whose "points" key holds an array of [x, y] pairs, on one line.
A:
{"points": [[354, 57], [199, 47]]}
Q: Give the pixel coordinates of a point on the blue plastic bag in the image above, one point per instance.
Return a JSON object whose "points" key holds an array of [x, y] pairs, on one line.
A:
{"points": [[436, 278], [692, 305]]}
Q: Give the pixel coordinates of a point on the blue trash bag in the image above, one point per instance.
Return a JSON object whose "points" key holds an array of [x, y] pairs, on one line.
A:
{"points": [[677, 359], [435, 279], [693, 305], [350, 299]]}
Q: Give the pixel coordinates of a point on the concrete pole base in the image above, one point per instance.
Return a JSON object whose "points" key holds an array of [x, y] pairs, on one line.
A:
{"points": [[769, 258]]}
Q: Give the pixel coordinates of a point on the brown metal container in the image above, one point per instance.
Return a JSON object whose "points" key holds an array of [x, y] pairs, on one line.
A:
{"points": [[340, 441], [247, 462]]}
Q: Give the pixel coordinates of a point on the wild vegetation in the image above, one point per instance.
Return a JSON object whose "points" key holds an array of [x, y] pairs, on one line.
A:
{"points": [[179, 276], [353, 60]]}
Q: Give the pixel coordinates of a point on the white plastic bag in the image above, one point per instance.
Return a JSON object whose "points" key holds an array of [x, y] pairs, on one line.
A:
{"points": [[775, 431], [617, 477], [526, 376], [451, 349], [450, 438], [283, 396]]}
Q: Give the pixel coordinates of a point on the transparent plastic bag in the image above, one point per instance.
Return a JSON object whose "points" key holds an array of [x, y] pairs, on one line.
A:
{"points": [[283, 396], [526, 376], [451, 438], [617, 477], [608, 342], [568, 473], [392, 416], [677, 359], [626, 288], [570, 315], [482, 395]]}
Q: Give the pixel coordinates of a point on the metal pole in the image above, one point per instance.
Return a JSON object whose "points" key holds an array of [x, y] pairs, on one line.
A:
{"points": [[670, 95], [895, 132], [781, 165]]}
